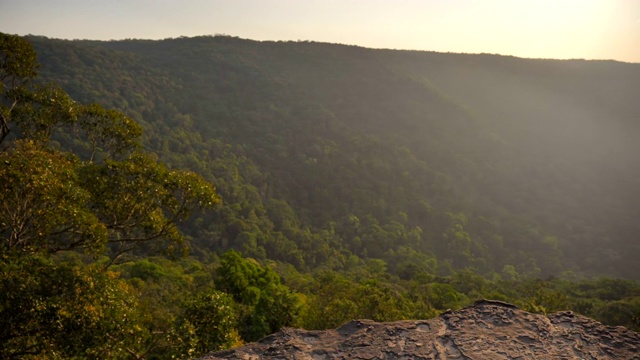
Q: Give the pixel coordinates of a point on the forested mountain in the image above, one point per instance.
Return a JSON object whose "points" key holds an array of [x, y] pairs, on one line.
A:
{"points": [[162, 199], [321, 151]]}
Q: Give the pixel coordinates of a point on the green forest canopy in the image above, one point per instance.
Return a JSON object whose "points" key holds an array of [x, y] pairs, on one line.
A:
{"points": [[375, 184], [477, 160]]}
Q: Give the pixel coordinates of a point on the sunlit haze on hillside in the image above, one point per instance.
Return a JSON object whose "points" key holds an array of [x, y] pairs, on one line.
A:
{"points": [[590, 29]]}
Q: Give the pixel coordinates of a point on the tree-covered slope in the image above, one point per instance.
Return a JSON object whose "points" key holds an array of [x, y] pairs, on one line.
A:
{"points": [[325, 154], [577, 121]]}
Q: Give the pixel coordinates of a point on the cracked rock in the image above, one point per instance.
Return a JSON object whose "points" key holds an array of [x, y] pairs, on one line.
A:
{"points": [[486, 330]]}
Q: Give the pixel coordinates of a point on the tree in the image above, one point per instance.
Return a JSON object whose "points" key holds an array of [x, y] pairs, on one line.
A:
{"points": [[209, 321], [43, 208], [108, 133], [98, 192], [66, 310], [17, 68], [266, 305], [107, 191], [139, 200]]}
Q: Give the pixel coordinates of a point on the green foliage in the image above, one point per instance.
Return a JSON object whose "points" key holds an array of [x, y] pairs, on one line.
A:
{"points": [[211, 322], [55, 199], [265, 304], [621, 313], [18, 59], [334, 299], [41, 110], [17, 67], [44, 209], [139, 200], [65, 311], [107, 130]]}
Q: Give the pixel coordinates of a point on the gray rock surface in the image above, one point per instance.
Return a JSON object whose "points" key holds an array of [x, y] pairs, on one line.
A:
{"points": [[486, 330]]}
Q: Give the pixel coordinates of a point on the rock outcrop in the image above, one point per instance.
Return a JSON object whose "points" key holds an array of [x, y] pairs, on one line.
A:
{"points": [[486, 330]]}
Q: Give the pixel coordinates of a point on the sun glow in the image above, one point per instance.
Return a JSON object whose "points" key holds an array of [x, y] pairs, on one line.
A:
{"points": [[592, 29]]}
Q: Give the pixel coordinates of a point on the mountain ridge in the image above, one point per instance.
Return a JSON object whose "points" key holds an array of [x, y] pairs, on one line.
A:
{"points": [[473, 136]]}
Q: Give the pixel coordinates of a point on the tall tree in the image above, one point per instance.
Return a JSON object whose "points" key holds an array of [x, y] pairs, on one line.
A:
{"points": [[266, 304], [102, 190], [17, 68], [97, 192]]}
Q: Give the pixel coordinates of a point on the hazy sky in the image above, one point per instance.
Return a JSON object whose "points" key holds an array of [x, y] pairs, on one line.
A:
{"points": [[590, 29]]}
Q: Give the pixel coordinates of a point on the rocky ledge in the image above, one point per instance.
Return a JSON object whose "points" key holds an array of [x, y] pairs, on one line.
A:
{"points": [[485, 330]]}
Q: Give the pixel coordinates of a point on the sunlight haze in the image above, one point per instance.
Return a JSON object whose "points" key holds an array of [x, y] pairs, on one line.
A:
{"points": [[590, 29]]}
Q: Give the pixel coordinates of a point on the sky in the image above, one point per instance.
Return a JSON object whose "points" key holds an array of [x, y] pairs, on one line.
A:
{"points": [[559, 29]]}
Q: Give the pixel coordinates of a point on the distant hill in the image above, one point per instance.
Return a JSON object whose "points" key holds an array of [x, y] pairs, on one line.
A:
{"points": [[428, 161]]}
